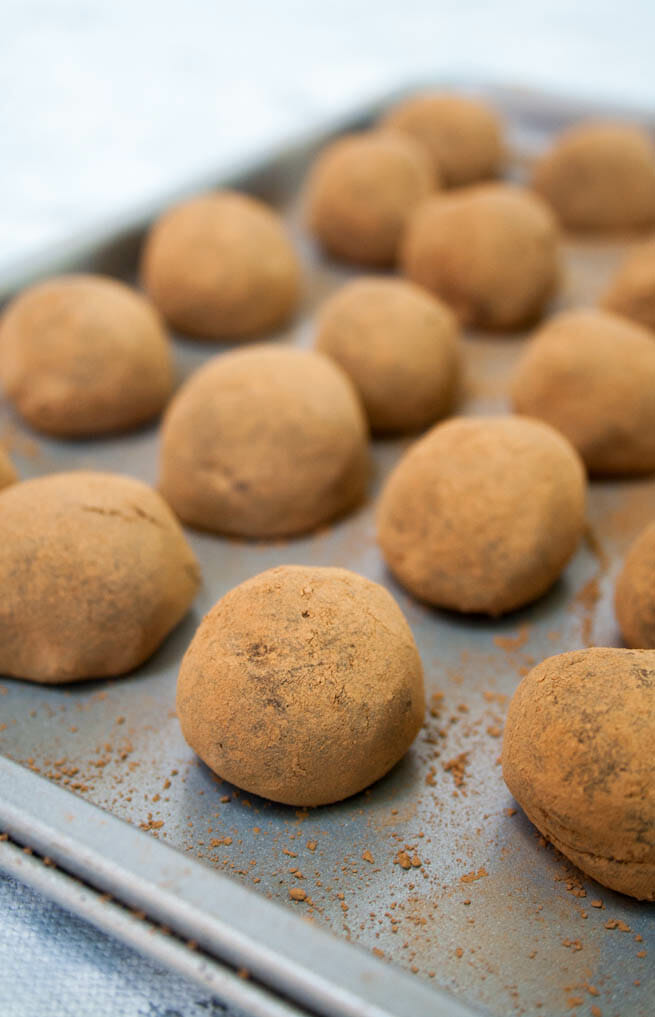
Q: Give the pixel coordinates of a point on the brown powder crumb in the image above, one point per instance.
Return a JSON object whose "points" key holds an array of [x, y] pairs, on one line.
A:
{"points": [[459, 952], [120, 720], [224, 799], [513, 642], [471, 877], [641, 954], [378, 952], [596, 1011], [592, 990], [368, 857], [574, 1001], [291, 854], [509, 812], [616, 923], [297, 893], [436, 704], [596, 903], [403, 859], [457, 767], [311, 845], [494, 731]]}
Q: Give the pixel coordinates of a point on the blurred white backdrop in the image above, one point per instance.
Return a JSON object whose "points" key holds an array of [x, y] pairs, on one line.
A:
{"points": [[105, 103]]}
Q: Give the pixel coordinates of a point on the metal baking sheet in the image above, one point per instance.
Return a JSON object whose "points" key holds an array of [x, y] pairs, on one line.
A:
{"points": [[486, 910]]}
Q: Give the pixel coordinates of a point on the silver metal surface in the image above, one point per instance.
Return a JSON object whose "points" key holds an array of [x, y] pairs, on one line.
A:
{"points": [[491, 914]]}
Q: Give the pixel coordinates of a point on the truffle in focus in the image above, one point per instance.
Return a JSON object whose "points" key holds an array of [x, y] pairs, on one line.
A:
{"points": [[302, 685], [578, 758]]}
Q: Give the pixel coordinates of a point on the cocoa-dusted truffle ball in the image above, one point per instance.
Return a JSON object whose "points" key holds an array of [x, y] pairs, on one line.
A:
{"points": [[95, 572], [632, 290], [221, 266], [490, 251], [635, 592], [599, 176], [303, 685], [360, 192], [264, 442], [483, 513], [8, 474], [578, 758], [83, 355], [462, 136], [591, 374], [400, 347]]}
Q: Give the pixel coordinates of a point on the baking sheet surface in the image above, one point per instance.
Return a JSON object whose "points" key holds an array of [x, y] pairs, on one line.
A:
{"points": [[432, 868]]}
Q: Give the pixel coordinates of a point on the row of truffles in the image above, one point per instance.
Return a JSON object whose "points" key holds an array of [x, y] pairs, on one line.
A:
{"points": [[112, 543], [343, 676]]}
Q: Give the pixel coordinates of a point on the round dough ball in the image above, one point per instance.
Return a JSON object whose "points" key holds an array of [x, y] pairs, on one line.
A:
{"points": [[463, 137], [221, 266], [84, 355], [303, 685], [8, 474], [490, 251], [360, 192], [483, 513], [635, 592], [599, 176], [578, 758], [400, 347], [591, 374], [95, 572], [264, 442], [632, 290]]}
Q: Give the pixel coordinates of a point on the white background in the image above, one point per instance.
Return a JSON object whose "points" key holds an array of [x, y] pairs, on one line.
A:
{"points": [[104, 103]]}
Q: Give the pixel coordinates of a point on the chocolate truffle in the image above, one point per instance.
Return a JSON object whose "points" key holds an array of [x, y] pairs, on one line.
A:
{"points": [[483, 513], [221, 266], [463, 137], [95, 572], [400, 347], [632, 290], [8, 474], [360, 192], [264, 442], [490, 251], [599, 176], [591, 374], [635, 592], [84, 355], [578, 758], [303, 685]]}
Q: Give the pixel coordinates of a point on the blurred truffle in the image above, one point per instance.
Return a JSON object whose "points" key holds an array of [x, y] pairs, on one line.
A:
{"points": [[221, 266], [635, 592], [360, 192], [600, 176], [8, 474], [400, 347], [483, 513], [84, 355], [95, 572], [264, 442], [632, 290], [591, 374], [490, 251], [462, 136]]}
